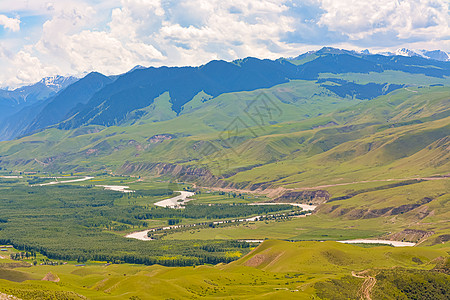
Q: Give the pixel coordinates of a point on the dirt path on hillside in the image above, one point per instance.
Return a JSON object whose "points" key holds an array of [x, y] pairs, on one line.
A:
{"points": [[366, 288], [410, 90], [281, 190]]}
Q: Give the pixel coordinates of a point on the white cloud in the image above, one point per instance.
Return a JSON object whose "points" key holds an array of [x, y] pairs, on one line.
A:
{"points": [[25, 68], [226, 29], [112, 36], [113, 50], [10, 23], [416, 19], [154, 32]]}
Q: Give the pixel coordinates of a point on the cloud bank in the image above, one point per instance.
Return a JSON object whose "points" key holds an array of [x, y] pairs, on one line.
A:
{"points": [[10, 23], [75, 37]]}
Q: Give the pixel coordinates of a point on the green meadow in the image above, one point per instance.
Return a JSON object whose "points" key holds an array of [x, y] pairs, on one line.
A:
{"points": [[273, 270], [383, 165]]}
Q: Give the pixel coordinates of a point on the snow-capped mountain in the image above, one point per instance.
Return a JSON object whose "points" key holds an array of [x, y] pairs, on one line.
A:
{"points": [[57, 82], [407, 52], [137, 67], [435, 54], [12, 101]]}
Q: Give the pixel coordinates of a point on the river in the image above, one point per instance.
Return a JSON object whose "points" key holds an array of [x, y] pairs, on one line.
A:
{"points": [[177, 201], [387, 242], [66, 181]]}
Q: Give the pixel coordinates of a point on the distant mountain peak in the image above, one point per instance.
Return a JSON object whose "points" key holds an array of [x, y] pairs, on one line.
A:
{"points": [[407, 52], [331, 50], [434, 54], [365, 52], [138, 67], [57, 82], [437, 55]]}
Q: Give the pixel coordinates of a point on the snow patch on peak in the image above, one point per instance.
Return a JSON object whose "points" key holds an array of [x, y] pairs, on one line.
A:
{"points": [[57, 82], [437, 55], [434, 54], [408, 52]]}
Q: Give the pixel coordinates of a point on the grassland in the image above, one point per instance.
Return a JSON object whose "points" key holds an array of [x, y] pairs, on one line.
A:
{"points": [[400, 135], [274, 270], [384, 163]]}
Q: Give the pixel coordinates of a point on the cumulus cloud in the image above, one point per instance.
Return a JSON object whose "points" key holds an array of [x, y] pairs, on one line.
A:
{"points": [[228, 29], [23, 68], [10, 23], [112, 36], [155, 32], [416, 19], [116, 49]]}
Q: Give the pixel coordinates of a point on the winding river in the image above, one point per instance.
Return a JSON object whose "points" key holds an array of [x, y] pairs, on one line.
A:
{"points": [[386, 242], [66, 181], [177, 201]]}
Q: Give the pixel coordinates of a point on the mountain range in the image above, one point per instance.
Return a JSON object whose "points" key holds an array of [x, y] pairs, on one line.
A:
{"points": [[12, 101], [434, 54], [314, 110], [96, 99], [361, 139]]}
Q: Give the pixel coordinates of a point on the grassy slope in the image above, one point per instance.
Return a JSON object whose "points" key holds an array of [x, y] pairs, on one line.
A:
{"points": [[274, 270], [114, 143], [369, 142], [380, 132], [290, 144], [393, 77], [367, 215], [398, 136]]}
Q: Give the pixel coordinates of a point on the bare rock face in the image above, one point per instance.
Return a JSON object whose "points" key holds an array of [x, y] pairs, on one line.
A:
{"points": [[418, 210], [442, 265], [51, 277], [8, 297], [314, 197], [411, 235], [180, 172], [158, 138]]}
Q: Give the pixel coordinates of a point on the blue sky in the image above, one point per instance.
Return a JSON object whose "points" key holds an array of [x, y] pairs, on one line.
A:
{"points": [[72, 37]]}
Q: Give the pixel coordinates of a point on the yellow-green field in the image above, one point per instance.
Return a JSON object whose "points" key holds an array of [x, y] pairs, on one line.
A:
{"points": [[274, 270]]}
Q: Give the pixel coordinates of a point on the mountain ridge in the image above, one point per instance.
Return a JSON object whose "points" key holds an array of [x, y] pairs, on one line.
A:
{"points": [[126, 98]]}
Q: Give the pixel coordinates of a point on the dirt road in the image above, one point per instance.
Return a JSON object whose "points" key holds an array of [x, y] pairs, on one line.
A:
{"points": [[366, 288]]}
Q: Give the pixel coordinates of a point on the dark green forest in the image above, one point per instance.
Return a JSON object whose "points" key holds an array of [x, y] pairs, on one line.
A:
{"points": [[79, 223]]}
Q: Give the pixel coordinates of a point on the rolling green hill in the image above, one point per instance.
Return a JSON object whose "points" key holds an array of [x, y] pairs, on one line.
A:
{"points": [[365, 138], [369, 129], [274, 270]]}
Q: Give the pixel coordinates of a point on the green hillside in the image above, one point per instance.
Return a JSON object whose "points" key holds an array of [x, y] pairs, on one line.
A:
{"points": [[250, 138], [274, 270], [377, 168]]}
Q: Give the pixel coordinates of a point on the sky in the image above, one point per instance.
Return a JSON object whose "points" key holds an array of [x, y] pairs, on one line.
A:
{"points": [[40, 38]]}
